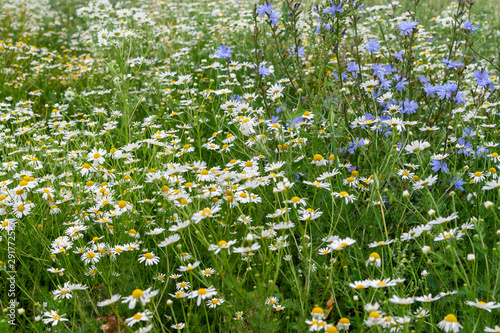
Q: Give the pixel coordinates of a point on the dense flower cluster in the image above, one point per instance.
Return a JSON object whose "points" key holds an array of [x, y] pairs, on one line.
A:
{"points": [[161, 174]]}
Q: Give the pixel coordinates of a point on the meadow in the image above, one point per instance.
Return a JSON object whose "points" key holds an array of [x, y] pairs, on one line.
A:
{"points": [[241, 166]]}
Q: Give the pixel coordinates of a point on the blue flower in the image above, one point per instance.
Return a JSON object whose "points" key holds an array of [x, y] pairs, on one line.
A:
{"points": [[458, 183], [356, 143], [407, 27], [482, 78], [372, 45], [452, 64], [399, 55], [401, 82], [467, 25], [439, 165], [467, 149], [352, 67], [468, 132], [265, 8], [264, 71], [430, 90], [300, 51], [274, 17], [223, 52], [333, 9], [409, 107]]}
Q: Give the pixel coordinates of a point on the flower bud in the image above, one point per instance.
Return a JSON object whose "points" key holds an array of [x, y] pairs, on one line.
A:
{"points": [[488, 204], [431, 212], [426, 249], [471, 257]]}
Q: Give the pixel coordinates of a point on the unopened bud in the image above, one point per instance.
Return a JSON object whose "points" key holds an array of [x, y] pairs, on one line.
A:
{"points": [[488, 204], [471, 257]]}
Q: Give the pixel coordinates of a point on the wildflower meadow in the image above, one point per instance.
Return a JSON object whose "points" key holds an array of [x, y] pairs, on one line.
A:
{"points": [[249, 166]]}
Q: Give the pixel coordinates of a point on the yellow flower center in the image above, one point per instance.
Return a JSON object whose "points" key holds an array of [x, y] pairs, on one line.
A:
{"points": [[318, 157], [138, 293], [148, 256], [122, 204], [202, 291], [451, 318], [317, 310]]}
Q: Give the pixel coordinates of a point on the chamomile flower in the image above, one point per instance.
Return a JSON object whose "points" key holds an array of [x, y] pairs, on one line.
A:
{"points": [[189, 267], [207, 272], [53, 318], [140, 316], [483, 305], [450, 324], [110, 301], [139, 295], [214, 302], [202, 294], [374, 259], [149, 258]]}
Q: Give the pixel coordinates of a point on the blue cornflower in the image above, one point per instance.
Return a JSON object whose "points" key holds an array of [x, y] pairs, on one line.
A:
{"points": [[385, 83], [265, 8], [467, 25], [423, 79], [482, 78], [458, 183], [468, 132], [439, 165], [300, 51], [279, 110], [356, 143], [274, 17], [401, 82], [352, 67], [378, 70], [452, 64], [223, 52], [372, 45], [264, 71], [274, 119], [459, 98], [481, 151], [467, 149], [334, 9], [407, 27], [399, 55], [447, 90], [409, 107]]}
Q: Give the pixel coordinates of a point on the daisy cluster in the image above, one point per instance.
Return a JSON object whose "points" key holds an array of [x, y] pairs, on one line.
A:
{"points": [[281, 167]]}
